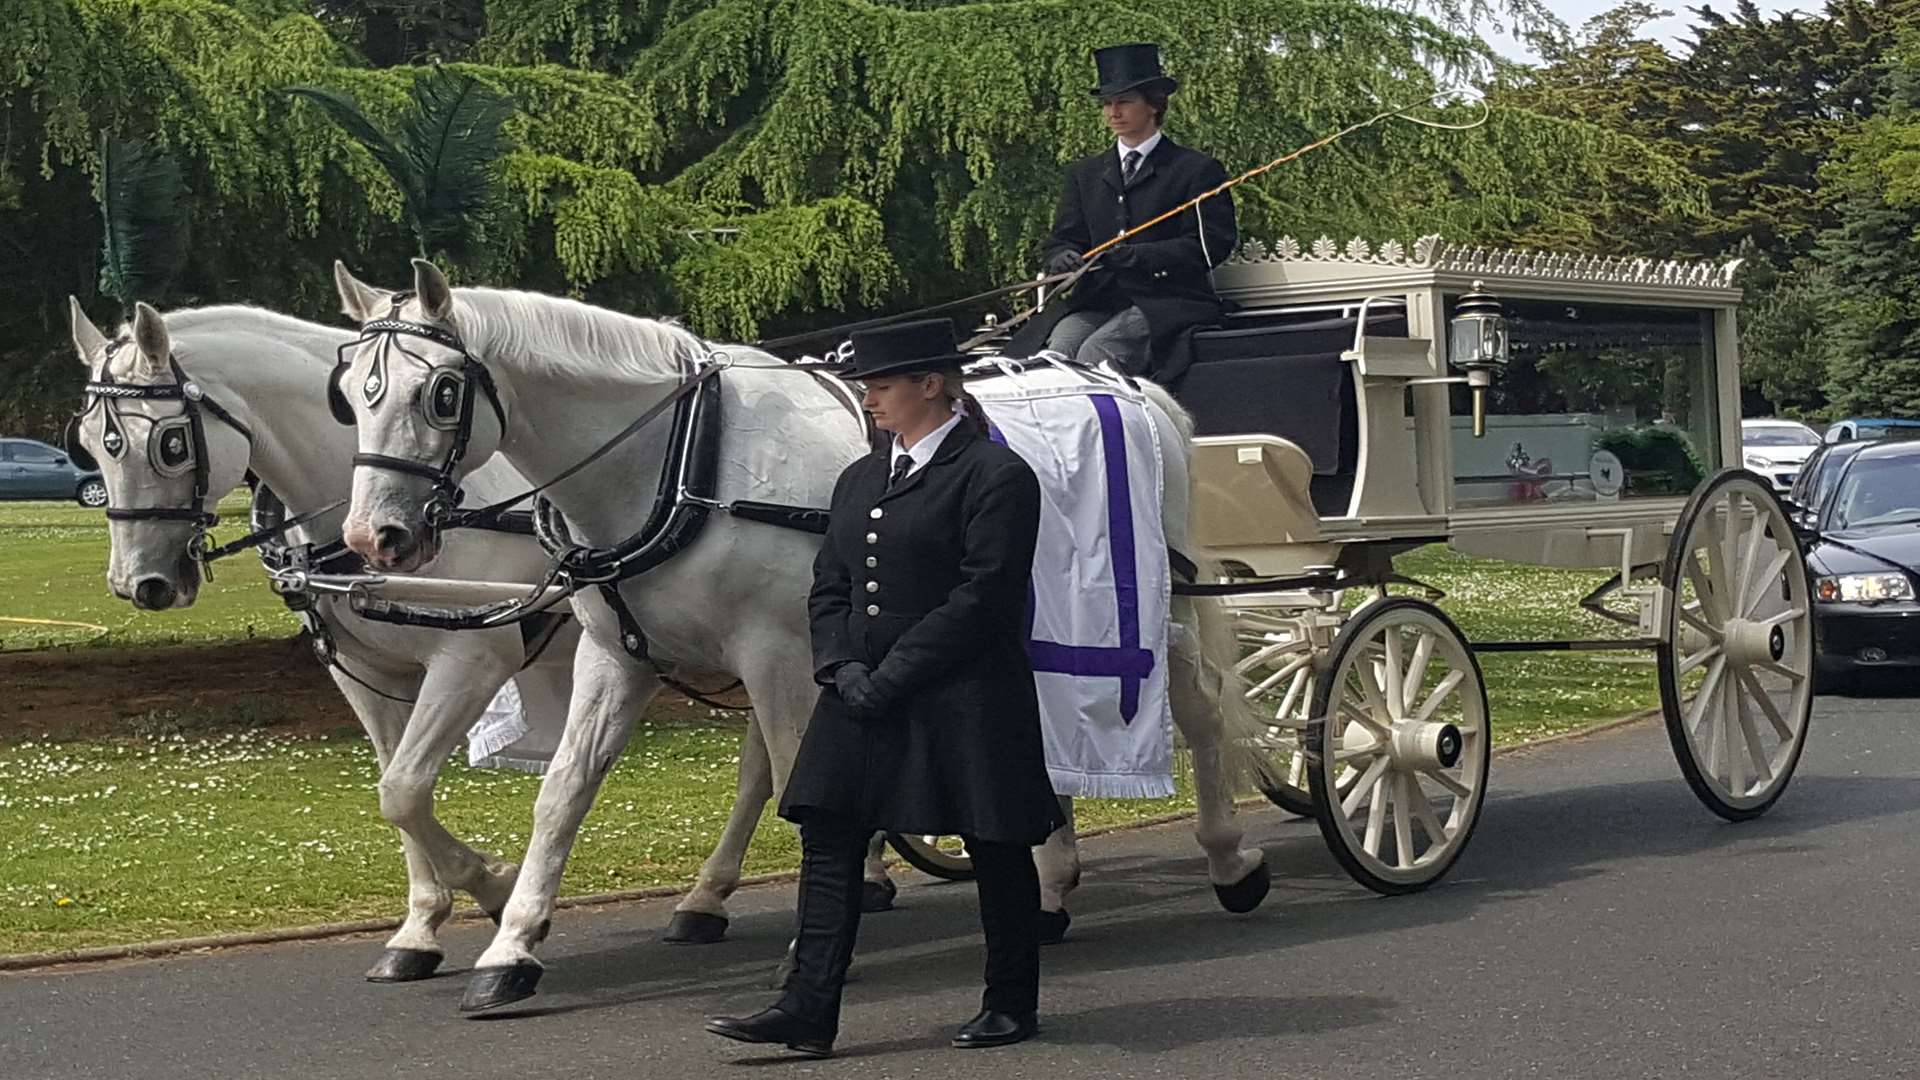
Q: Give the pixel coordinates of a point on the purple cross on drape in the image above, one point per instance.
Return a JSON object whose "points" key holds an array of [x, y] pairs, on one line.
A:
{"points": [[1127, 662]]}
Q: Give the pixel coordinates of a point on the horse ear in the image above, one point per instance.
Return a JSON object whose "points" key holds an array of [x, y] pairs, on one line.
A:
{"points": [[150, 336], [430, 286], [86, 337], [358, 300]]}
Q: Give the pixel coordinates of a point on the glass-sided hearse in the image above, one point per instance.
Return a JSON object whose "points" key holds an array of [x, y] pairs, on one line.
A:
{"points": [[1557, 410]]}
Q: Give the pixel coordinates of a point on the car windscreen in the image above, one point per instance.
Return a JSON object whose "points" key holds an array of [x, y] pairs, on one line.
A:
{"points": [[1779, 436], [1876, 493]]}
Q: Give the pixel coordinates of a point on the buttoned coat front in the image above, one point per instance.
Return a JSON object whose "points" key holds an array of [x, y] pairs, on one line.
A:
{"points": [[1170, 277], [927, 584]]}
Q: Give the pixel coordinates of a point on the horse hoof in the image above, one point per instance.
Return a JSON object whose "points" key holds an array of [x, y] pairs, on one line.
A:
{"points": [[491, 988], [1053, 926], [695, 928], [404, 965], [877, 895], [1245, 895]]}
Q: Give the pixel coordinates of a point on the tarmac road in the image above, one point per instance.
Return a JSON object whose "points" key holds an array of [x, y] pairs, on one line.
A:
{"points": [[1602, 924]]}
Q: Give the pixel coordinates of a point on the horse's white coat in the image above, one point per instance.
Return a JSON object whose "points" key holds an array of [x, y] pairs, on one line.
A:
{"points": [[269, 370], [570, 376]]}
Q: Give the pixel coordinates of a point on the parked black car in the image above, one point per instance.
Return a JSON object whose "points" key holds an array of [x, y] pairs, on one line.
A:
{"points": [[1817, 475], [1863, 551], [33, 470]]}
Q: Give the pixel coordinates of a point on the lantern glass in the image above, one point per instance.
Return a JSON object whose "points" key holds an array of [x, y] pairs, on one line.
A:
{"points": [[1477, 342]]}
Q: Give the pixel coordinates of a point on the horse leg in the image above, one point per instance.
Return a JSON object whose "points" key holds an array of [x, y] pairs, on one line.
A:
{"points": [[701, 916], [457, 688], [610, 690], [1058, 861], [414, 951], [1199, 693]]}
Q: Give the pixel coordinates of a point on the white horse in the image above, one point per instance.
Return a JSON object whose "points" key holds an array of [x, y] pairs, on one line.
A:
{"points": [[417, 691], [568, 377]]}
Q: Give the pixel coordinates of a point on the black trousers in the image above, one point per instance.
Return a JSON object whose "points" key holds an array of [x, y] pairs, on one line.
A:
{"points": [[833, 852]]}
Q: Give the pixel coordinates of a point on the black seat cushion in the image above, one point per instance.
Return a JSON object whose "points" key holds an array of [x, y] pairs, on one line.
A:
{"points": [[1284, 376]]}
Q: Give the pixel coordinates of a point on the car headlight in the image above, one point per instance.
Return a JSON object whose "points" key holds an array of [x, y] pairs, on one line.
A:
{"points": [[1864, 588], [1758, 461]]}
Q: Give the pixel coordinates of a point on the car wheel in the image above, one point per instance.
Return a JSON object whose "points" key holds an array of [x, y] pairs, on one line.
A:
{"points": [[92, 494]]}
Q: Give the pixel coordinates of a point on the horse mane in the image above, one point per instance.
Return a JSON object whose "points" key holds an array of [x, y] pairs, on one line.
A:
{"points": [[567, 339], [182, 323]]}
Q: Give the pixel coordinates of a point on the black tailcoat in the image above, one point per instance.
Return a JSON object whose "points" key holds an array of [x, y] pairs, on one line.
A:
{"points": [[927, 584], [1171, 283]]}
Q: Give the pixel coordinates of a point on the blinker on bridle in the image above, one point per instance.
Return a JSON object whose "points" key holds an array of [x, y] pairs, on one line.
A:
{"points": [[176, 444], [445, 400]]}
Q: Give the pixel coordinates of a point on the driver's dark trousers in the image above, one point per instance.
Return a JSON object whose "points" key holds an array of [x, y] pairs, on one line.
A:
{"points": [[833, 852]]}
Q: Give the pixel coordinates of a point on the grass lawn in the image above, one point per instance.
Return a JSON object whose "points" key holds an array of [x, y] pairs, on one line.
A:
{"points": [[199, 823], [53, 567]]}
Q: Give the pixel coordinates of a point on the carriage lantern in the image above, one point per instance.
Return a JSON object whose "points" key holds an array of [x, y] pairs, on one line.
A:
{"points": [[1477, 345]]}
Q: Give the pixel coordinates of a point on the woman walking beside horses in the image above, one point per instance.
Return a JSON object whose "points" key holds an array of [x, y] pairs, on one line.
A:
{"points": [[928, 722]]}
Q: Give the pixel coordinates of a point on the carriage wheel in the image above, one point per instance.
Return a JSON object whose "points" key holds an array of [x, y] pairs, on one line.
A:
{"points": [[1279, 676], [944, 857], [1400, 703], [1736, 665]]}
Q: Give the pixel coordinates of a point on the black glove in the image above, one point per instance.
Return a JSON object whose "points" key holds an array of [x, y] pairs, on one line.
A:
{"points": [[854, 681], [1064, 261]]}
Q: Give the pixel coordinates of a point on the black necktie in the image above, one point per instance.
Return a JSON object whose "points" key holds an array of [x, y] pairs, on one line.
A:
{"points": [[901, 465], [1128, 166]]}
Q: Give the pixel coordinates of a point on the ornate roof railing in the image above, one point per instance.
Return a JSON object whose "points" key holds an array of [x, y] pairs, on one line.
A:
{"points": [[1434, 253]]}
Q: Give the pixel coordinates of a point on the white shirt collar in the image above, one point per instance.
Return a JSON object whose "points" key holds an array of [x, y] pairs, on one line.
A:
{"points": [[923, 451], [1145, 148]]}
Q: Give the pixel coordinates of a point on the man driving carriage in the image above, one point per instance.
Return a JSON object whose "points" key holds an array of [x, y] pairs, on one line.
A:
{"points": [[1137, 308]]}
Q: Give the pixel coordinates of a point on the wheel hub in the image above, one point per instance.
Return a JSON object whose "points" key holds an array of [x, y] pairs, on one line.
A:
{"points": [[1750, 644], [1418, 746]]}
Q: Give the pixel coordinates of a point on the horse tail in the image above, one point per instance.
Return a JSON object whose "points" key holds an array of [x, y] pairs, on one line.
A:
{"points": [[1244, 731], [1176, 412]]}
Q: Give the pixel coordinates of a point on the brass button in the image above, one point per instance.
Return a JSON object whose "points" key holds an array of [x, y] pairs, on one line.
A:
{"points": [[873, 586], [876, 513], [872, 562], [873, 538], [873, 609]]}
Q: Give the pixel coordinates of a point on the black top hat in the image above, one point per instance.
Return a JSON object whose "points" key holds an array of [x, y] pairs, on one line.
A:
{"points": [[1130, 67], [925, 345]]}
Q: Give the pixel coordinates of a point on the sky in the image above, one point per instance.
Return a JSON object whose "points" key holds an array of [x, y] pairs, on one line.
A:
{"points": [[1668, 31]]}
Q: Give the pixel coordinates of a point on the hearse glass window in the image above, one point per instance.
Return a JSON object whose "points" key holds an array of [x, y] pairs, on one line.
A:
{"points": [[1599, 402]]}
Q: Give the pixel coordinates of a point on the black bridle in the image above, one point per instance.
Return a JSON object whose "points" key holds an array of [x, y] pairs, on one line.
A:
{"points": [[176, 444], [445, 400]]}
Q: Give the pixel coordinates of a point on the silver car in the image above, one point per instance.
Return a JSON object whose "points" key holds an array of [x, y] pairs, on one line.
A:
{"points": [[30, 469], [1776, 449]]}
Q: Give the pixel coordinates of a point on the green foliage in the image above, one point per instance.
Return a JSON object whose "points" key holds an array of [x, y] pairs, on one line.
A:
{"points": [[754, 165], [442, 157], [1659, 459]]}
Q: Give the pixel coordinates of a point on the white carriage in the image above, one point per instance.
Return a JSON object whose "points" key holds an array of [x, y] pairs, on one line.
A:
{"points": [[1554, 410]]}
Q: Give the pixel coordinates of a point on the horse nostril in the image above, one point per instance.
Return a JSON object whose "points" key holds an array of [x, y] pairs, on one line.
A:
{"points": [[153, 594], [392, 540]]}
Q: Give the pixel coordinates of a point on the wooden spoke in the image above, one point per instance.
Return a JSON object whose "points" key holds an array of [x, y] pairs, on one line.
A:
{"points": [[1438, 776], [1767, 706], [1762, 772], [1417, 669], [1691, 615], [1394, 678], [1756, 591], [1363, 786], [1439, 696], [1705, 696], [1699, 658], [1755, 537], [1402, 822], [1376, 816], [1703, 592], [1423, 810]]}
